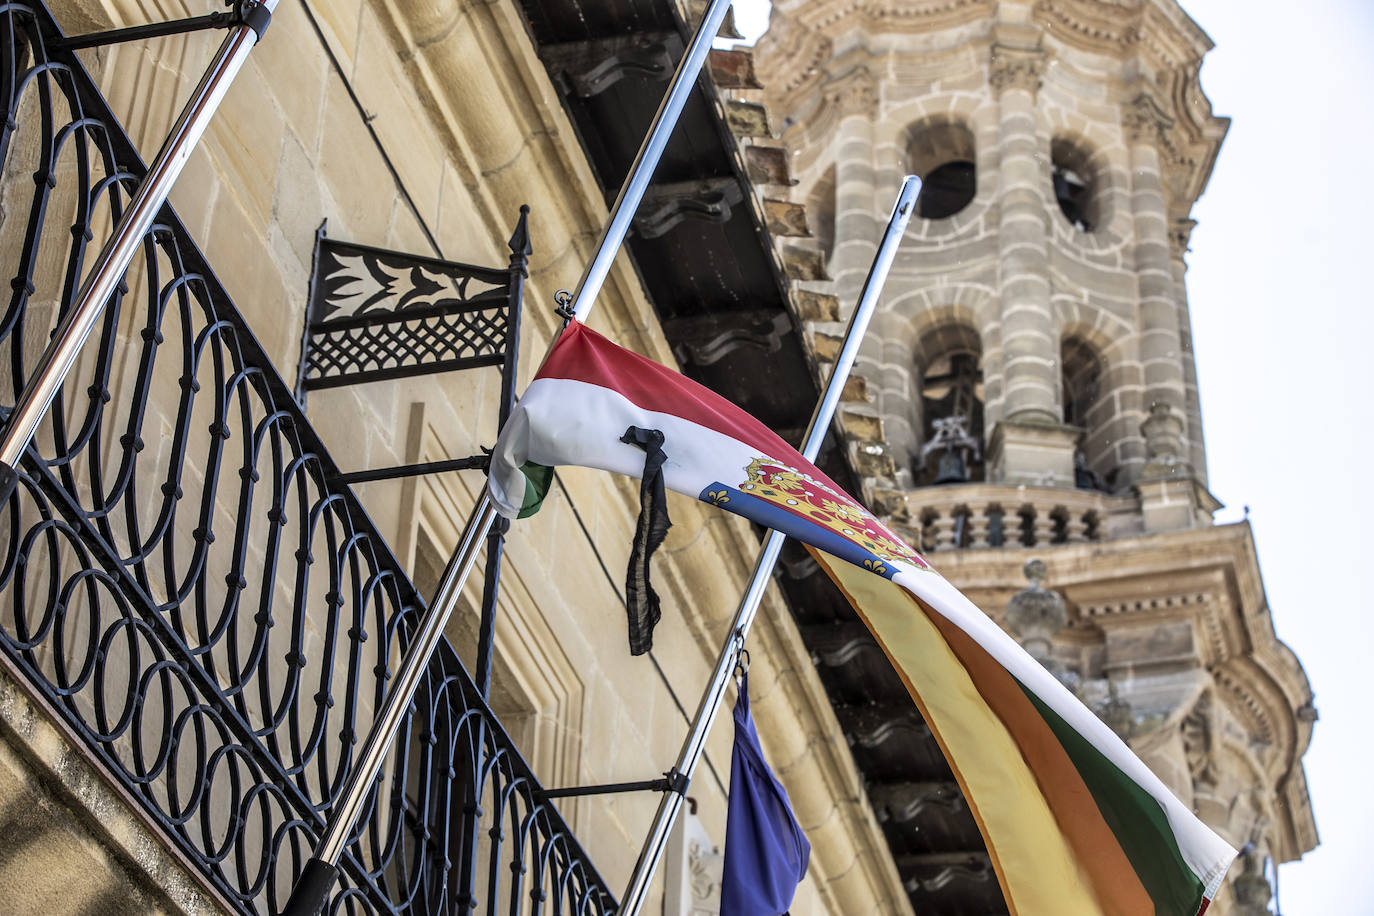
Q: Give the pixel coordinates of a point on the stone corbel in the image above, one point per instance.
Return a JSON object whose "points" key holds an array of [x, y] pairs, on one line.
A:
{"points": [[1016, 68]]}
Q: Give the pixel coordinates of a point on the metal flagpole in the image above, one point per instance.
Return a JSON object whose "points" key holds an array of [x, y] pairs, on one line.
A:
{"points": [[312, 888], [695, 744], [114, 258]]}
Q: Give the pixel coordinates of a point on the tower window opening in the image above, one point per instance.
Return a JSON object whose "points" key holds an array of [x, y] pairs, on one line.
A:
{"points": [[941, 152], [946, 190], [1086, 408], [951, 420], [1074, 185], [820, 211]]}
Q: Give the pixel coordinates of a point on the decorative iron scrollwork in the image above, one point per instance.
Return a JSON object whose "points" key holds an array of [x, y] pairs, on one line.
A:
{"points": [[184, 581], [375, 315]]}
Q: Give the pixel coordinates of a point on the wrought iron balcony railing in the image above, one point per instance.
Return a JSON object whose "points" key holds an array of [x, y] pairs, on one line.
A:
{"points": [[184, 580]]}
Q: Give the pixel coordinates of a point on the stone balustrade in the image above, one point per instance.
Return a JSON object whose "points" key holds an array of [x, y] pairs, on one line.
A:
{"points": [[980, 516]]}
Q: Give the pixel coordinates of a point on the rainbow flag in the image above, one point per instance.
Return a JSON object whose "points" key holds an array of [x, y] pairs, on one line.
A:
{"points": [[1073, 821]]}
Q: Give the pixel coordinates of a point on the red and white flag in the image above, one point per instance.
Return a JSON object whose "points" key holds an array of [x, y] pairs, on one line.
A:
{"points": [[1073, 821]]}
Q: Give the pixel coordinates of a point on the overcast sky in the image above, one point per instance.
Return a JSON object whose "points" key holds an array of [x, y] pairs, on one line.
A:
{"points": [[1279, 284]]}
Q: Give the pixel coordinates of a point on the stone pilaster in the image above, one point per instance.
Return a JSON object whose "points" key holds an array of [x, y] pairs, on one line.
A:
{"points": [[1030, 445], [856, 222], [1167, 492], [1180, 231], [1160, 347]]}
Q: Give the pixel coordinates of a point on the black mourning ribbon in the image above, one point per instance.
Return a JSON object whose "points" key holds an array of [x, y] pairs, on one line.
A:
{"points": [[641, 601]]}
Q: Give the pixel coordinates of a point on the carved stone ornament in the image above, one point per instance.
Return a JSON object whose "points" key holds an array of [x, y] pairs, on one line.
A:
{"points": [[1016, 68], [1250, 887], [854, 93], [1180, 232], [1198, 744], [1145, 121], [703, 877], [1117, 713], [1163, 432], [1036, 613]]}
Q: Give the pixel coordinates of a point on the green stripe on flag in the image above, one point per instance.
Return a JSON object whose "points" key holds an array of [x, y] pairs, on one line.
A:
{"points": [[1135, 817], [538, 477]]}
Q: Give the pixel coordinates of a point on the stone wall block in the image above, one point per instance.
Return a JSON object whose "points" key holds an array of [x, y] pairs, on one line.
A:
{"points": [[296, 68], [246, 138], [862, 427], [814, 306]]}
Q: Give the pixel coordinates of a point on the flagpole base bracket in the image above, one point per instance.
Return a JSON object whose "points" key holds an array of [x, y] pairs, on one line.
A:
{"points": [[311, 893]]}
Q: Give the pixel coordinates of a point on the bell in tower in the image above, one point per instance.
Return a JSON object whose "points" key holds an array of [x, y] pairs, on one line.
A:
{"points": [[1031, 369]]}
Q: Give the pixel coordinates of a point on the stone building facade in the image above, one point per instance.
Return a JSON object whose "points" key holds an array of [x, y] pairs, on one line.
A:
{"points": [[1030, 382], [423, 126]]}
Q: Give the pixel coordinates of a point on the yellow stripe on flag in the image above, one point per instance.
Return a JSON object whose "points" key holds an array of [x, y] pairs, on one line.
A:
{"points": [[1037, 869]]}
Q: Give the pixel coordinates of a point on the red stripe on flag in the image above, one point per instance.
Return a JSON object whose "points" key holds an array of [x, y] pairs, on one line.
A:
{"points": [[583, 355]]}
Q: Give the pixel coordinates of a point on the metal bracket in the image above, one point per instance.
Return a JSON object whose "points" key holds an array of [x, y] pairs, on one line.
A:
{"points": [[706, 341], [245, 12], [589, 68], [564, 309], [666, 205], [476, 462], [654, 785]]}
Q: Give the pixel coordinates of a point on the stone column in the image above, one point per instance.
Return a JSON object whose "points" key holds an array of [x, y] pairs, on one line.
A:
{"points": [[1180, 230], [1030, 445], [856, 222], [1167, 497]]}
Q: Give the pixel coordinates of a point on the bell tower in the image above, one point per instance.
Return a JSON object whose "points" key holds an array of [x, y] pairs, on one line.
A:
{"points": [[1028, 390]]}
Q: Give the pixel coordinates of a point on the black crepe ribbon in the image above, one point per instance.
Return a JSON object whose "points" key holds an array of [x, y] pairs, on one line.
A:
{"points": [[641, 601]]}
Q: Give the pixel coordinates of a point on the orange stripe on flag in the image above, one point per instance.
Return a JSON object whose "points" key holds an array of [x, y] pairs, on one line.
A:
{"points": [[1038, 869]]}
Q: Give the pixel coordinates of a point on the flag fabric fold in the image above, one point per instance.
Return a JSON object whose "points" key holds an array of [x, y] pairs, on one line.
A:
{"points": [[766, 853], [1073, 821]]}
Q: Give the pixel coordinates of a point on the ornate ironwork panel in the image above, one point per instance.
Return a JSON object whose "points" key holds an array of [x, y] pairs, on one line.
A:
{"points": [[183, 580], [377, 314]]}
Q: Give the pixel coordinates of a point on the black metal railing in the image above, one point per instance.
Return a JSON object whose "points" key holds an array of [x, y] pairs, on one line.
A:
{"points": [[184, 581]]}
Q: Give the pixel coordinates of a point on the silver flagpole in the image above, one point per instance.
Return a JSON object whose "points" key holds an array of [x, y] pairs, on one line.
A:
{"points": [[312, 888], [115, 256], [695, 744]]}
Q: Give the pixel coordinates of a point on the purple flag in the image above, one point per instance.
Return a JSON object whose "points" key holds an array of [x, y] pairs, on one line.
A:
{"points": [[766, 853]]}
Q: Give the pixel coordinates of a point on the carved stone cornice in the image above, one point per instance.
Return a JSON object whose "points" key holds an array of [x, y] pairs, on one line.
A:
{"points": [[1145, 121], [1016, 68]]}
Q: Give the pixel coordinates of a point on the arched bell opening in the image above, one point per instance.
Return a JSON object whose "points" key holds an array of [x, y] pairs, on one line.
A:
{"points": [[940, 151], [951, 398], [1088, 406], [1077, 184]]}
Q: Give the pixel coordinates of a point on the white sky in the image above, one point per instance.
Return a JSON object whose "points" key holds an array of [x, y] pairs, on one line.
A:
{"points": [[1284, 333]]}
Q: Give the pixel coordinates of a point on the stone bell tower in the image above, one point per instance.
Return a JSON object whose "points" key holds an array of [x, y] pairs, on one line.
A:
{"points": [[1028, 389]]}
